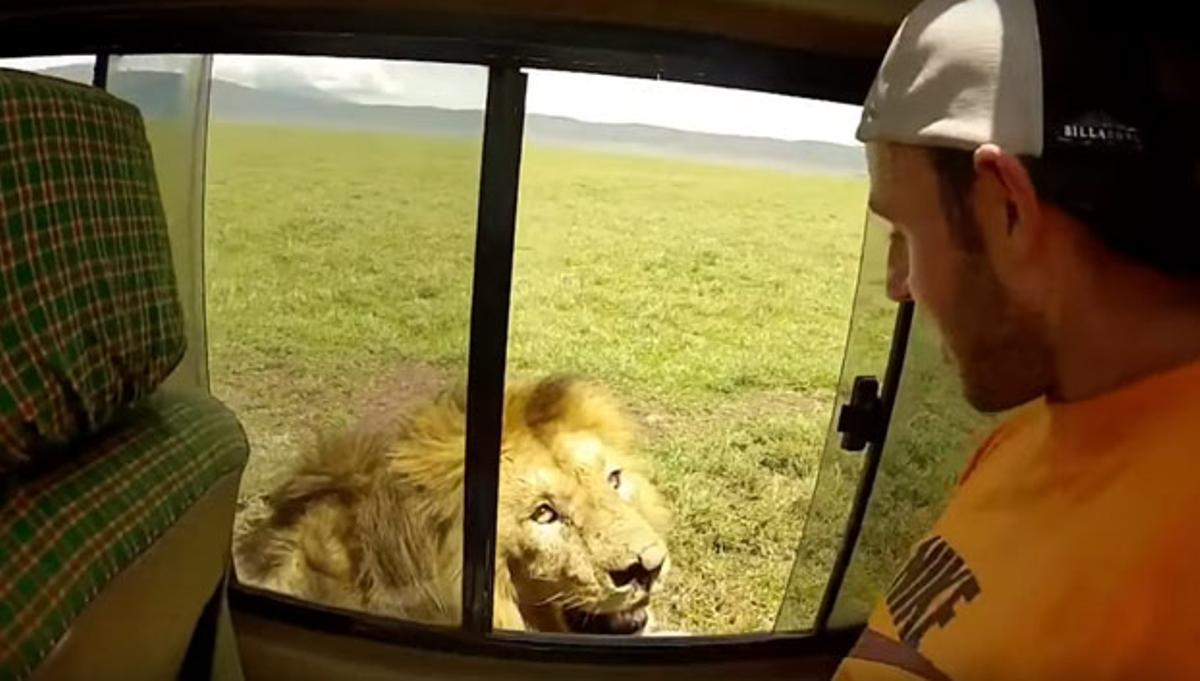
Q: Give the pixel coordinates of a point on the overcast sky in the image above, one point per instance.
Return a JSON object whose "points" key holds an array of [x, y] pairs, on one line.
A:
{"points": [[601, 99]]}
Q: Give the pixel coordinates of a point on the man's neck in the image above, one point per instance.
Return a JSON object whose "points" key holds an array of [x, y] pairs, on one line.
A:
{"points": [[1124, 329]]}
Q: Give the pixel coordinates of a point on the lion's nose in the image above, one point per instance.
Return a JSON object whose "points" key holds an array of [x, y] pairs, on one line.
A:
{"points": [[644, 570]]}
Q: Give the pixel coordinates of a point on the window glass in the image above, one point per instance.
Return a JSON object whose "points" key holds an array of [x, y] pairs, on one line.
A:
{"points": [[692, 250], [932, 435], [340, 230], [171, 91], [867, 351], [77, 68]]}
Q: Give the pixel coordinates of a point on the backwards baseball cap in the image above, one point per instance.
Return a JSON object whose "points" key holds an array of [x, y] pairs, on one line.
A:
{"points": [[1103, 99], [1032, 76]]}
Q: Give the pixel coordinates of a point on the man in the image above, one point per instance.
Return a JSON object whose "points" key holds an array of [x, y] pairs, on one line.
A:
{"points": [[1037, 164]]}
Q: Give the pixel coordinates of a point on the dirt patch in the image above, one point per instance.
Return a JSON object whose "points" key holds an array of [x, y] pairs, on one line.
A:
{"points": [[284, 426], [392, 394]]}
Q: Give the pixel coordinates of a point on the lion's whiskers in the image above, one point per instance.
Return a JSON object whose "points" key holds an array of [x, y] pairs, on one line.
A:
{"points": [[553, 598]]}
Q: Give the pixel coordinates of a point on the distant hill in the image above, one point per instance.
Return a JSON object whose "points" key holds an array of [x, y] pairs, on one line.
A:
{"points": [[311, 107]]}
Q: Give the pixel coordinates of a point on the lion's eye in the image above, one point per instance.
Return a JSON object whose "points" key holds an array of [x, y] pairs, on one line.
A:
{"points": [[544, 514], [614, 479]]}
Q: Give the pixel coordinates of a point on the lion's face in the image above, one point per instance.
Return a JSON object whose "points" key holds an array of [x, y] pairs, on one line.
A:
{"points": [[580, 527]]}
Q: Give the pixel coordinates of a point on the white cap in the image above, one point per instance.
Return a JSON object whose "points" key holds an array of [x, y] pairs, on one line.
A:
{"points": [[960, 73]]}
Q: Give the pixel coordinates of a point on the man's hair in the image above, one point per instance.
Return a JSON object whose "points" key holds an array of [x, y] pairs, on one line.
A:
{"points": [[955, 170], [1138, 207]]}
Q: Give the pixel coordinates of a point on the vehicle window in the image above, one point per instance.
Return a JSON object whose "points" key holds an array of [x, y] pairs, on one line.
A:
{"points": [[694, 251], [341, 212], [694, 267], [837, 479], [932, 435], [171, 91], [932, 432]]}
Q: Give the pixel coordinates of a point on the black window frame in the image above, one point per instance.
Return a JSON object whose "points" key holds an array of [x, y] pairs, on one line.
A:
{"points": [[504, 47]]}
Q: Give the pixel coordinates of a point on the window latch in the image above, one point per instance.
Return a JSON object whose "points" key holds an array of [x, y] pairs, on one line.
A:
{"points": [[860, 421]]}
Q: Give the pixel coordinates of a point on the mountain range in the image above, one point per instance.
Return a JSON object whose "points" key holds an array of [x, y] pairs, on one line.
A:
{"points": [[300, 106]]}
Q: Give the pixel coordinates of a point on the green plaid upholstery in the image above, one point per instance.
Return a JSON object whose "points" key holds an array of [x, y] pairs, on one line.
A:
{"points": [[66, 533], [90, 320]]}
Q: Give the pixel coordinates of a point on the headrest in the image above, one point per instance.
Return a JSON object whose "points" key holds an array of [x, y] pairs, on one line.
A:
{"points": [[89, 318]]}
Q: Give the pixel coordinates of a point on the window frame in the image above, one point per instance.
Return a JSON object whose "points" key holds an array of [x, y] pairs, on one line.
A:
{"points": [[874, 456], [487, 350], [504, 46]]}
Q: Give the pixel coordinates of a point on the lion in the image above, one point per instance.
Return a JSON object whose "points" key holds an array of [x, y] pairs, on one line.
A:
{"points": [[373, 521]]}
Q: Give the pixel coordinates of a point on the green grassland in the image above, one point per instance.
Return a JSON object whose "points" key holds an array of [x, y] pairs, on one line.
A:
{"points": [[714, 300]]}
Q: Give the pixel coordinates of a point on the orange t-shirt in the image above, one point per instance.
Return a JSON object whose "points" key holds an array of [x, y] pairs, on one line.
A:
{"points": [[1071, 550]]}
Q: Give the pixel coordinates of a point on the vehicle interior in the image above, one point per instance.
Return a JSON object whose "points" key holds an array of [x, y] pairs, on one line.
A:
{"points": [[122, 455]]}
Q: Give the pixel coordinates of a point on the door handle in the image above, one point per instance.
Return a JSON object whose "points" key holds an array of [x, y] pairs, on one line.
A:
{"points": [[860, 421]]}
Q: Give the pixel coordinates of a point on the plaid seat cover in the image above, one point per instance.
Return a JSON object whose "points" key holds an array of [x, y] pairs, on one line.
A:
{"points": [[66, 533], [89, 318]]}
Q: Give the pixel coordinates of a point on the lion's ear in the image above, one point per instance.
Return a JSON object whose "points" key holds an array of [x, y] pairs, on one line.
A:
{"points": [[551, 400]]}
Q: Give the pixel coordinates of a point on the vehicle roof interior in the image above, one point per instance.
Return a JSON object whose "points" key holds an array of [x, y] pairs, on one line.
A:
{"points": [[836, 27]]}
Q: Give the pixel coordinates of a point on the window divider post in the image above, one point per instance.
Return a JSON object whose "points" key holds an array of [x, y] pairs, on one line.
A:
{"points": [[491, 293], [100, 71]]}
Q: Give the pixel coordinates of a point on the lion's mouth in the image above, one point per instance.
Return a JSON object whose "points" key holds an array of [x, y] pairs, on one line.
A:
{"points": [[626, 622]]}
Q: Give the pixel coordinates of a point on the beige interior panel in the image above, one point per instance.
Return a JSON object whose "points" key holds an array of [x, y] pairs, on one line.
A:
{"points": [[275, 650], [140, 625]]}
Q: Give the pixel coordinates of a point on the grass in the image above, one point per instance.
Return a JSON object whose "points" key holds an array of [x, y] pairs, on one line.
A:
{"points": [[714, 300]]}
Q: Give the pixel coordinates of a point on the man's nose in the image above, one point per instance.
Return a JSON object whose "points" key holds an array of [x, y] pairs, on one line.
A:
{"points": [[897, 271], [897, 289]]}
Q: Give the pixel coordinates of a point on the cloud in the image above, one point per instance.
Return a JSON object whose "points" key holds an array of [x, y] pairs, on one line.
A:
{"points": [[699, 108], [368, 81], [589, 97]]}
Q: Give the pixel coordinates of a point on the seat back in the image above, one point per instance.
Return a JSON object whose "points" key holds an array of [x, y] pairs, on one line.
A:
{"points": [[117, 499]]}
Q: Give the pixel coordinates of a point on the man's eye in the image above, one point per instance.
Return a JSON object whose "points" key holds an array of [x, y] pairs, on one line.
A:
{"points": [[544, 515], [614, 479]]}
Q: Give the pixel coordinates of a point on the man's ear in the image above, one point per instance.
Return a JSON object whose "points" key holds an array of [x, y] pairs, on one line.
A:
{"points": [[1011, 194]]}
